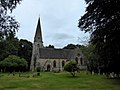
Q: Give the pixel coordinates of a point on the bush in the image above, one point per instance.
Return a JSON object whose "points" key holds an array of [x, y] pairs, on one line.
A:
{"points": [[13, 63], [71, 67]]}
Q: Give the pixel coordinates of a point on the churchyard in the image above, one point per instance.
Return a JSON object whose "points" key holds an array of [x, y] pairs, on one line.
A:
{"points": [[57, 81]]}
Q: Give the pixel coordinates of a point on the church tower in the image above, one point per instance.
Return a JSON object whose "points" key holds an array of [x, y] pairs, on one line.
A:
{"points": [[38, 43]]}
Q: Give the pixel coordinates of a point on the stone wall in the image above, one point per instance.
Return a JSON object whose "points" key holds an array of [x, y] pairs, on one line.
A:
{"points": [[51, 64]]}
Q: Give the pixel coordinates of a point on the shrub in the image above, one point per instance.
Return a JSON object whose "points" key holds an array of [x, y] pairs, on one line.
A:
{"points": [[71, 67], [13, 63]]}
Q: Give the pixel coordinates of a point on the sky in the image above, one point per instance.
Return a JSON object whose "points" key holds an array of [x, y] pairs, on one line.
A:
{"points": [[59, 21]]}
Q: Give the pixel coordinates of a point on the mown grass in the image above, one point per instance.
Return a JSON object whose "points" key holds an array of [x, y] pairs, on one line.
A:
{"points": [[57, 81]]}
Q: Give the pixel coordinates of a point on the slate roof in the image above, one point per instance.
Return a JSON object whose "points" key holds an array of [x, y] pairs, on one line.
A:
{"points": [[50, 53]]}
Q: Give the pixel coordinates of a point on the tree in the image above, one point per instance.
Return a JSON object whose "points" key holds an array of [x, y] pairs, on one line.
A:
{"points": [[7, 23], [12, 46], [50, 46], [25, 50], [8, 28], [13, 63], [91, 57], [8, 46], [72, 46], [102, 20], [71, 67]]}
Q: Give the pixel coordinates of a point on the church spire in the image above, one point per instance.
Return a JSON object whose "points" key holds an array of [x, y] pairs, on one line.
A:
{"points": [[38, 43], [38, 34]]}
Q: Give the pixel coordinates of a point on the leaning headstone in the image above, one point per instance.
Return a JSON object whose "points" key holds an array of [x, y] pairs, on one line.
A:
{"points": [[112, 75]]}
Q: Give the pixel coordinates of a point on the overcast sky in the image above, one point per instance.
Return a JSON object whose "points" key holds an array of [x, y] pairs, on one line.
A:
{"points": [[59, 20]]}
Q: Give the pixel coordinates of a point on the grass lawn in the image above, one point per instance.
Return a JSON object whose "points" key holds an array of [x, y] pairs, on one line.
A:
{"points": [[58, 81]]}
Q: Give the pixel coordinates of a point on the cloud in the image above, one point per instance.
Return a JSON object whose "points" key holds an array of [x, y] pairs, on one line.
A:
{"points": [[61, 36], [59, 39], [59, 19]]}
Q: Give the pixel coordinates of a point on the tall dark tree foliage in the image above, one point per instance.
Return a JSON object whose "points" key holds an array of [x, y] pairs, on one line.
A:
{"points": [[8, 28], [9, 46], [25, 50], [13, 46], [102, 20]]}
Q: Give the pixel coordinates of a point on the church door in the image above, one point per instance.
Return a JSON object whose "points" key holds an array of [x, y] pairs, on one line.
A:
{"points": [[48, 67]]}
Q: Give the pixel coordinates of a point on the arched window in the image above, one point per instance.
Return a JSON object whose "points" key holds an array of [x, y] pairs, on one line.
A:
{"points": [[76, 59], [54, 63], [63, 63]]}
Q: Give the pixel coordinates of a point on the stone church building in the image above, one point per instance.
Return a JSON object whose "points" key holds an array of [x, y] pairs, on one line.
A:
{"points": [[50, 59]]}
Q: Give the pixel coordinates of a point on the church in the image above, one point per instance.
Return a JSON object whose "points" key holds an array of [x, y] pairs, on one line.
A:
{"points": [[51, 59]]}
